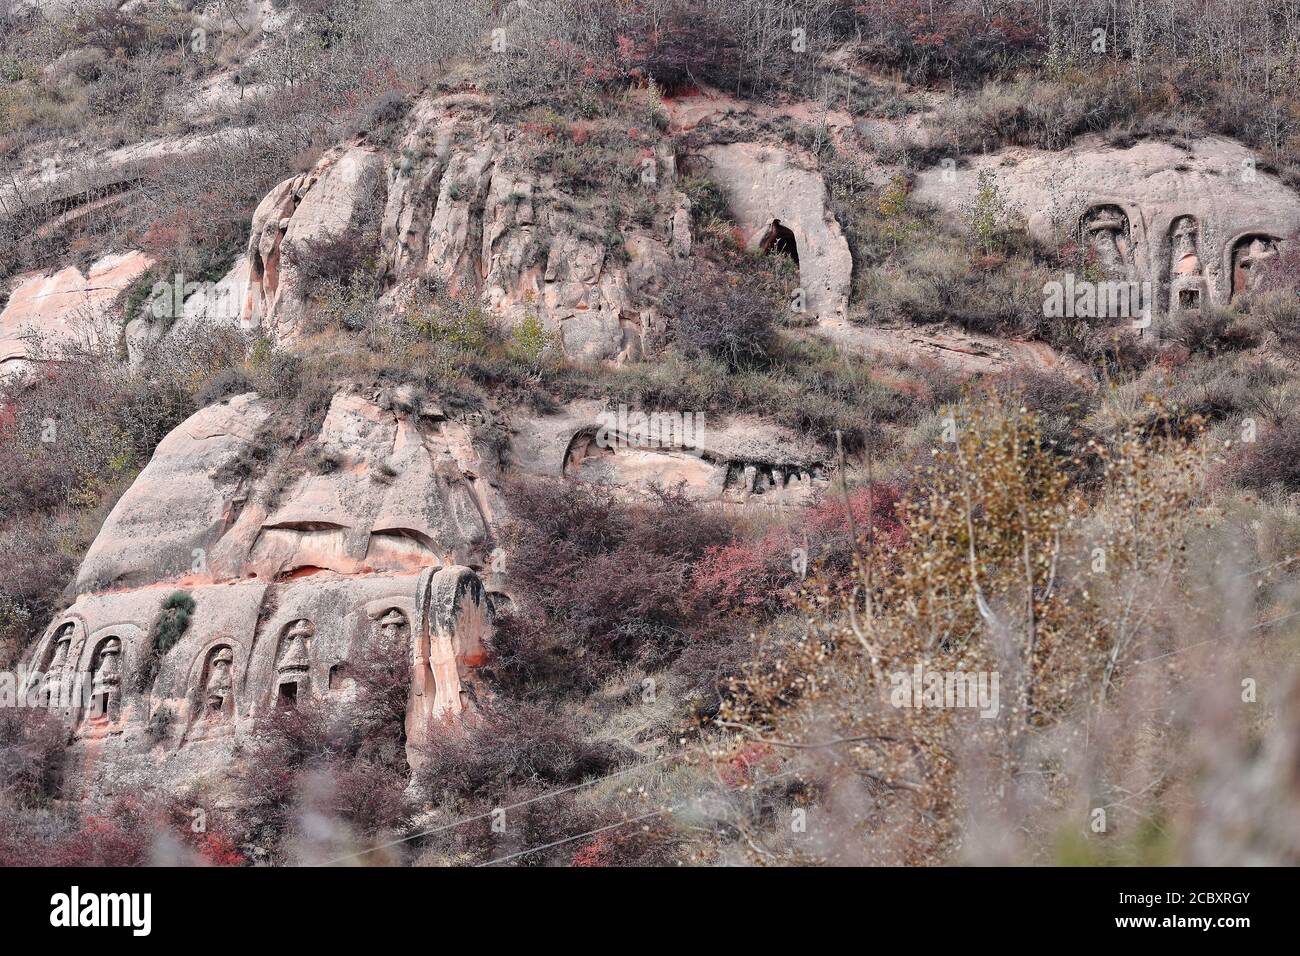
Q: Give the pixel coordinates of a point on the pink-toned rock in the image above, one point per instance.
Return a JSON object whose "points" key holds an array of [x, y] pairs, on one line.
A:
{"points": [[358, 532], [730, 462], [250, 647], [459, 205], [377, 490], [1187, 221], [769, 196], [949, 346], [64, 308], [309, 209]]}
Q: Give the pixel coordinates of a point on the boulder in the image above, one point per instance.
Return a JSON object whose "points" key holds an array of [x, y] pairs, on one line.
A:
{"points": [[65, 308]]}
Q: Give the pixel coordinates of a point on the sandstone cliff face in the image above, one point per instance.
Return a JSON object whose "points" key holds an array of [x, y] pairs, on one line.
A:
{"points": [[384, 491], [768, 192], [291, 573], [302, 547], [1195, 221], [64, 308], [456, 202], [326, 203], [731, 463]]}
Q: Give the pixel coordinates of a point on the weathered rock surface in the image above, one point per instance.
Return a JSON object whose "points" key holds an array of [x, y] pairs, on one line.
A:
{"points": [[293, 222], [948, 346], [767, 192], [66, 307], [1193, 221], [251, 646], [292, 573], [734, 462], [458, 204], [375, 490]]}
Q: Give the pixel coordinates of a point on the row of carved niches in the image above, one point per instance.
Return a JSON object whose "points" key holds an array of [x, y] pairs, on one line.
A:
{"points": [[251, 650], [773, 482], [707, 477], [1107, 237], [92, 697], [92, 700]]}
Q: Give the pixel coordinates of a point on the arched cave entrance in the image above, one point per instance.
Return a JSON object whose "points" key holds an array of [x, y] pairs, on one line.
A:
{"points": [[779, 241]]}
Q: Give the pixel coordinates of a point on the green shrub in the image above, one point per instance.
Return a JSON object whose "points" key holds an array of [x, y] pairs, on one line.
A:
{"points": [[532, 345], [1211, 330], [168, 628]]}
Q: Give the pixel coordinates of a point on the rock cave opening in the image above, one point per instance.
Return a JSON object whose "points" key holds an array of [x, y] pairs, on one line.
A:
{"points": [[780, 241], [1248, 254]]}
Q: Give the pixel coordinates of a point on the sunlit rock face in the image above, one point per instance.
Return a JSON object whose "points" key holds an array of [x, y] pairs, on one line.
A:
{"points": [[251, 647], [783, 209], [732, 462], [374, 490], [294, 575], [290, 224], [50, 312], [1195, 221], [455, 201]]}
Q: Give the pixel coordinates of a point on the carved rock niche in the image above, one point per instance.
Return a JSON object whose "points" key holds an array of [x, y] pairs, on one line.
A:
{"points": [[1248, 253], [293, 665], [218, 695], [53, 666], [1107, 235], [106, 682], [1186, 276]]}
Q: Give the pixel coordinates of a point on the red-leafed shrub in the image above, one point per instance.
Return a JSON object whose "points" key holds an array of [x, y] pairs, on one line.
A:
{"points": [[647, 844], [613, 574], [120, 835], [683, 48], [218, 849], [762, 575], [136, 830], [31, 755], [738, 771]]}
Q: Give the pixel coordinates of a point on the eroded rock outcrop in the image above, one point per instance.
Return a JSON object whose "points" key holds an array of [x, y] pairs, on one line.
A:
{"points": [[294, 221], [456, 201], [375, 490], [296, 557], [775, 201], [251, 647], [735, 462], [1195, 221], [64, 308]]}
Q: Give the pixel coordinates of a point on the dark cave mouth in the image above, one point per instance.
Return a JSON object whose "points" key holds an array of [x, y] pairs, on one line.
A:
{"points": [[779, 241]]}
